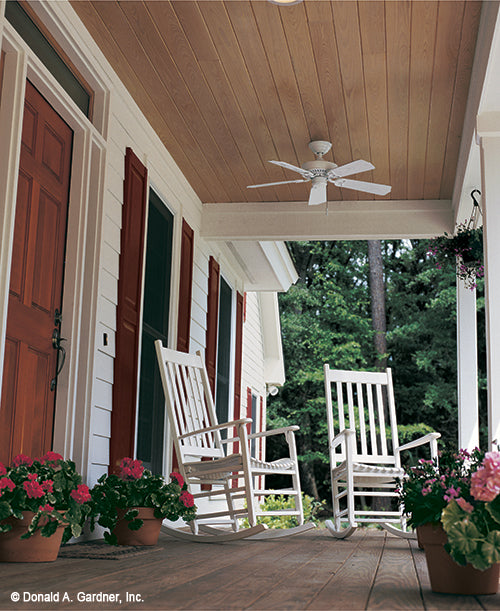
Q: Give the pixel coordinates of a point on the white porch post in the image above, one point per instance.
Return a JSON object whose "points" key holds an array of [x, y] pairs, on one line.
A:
{"points": [[488, 132], [468, 403]]}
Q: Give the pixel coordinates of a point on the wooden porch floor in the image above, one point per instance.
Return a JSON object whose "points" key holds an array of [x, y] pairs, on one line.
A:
{"points": [[371, 570]]}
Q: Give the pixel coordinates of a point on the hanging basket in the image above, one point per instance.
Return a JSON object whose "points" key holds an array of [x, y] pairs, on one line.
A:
{"points": [[147, 534], [35, 549], [448, 577]]}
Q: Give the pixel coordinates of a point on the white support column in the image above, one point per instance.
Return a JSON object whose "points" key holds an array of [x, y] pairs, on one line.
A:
{"points": [[468, 403], [488, 132]]}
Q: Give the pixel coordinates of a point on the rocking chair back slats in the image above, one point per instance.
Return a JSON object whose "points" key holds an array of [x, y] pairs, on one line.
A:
{"points": [[201, 450], [365, 413], [364, 451]]}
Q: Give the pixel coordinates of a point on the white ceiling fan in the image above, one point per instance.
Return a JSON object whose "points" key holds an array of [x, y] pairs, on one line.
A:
{"points": [[321, 172]]}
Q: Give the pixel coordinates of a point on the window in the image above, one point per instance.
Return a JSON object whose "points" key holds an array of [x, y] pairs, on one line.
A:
{"points": [[223, 353], [57, 66], [150, 427]]}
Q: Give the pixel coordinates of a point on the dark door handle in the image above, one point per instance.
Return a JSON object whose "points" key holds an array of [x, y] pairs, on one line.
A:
{"points": [[61, 355]]}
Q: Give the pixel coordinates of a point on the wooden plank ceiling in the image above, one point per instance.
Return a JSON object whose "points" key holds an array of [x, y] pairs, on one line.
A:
{"points": [[230, 85]]}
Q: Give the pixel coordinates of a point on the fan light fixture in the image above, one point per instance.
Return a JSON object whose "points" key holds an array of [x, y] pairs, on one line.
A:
{"points": [[284, 2]]}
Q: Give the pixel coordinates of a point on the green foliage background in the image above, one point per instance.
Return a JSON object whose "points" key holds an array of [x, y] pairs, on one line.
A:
{"points": [[325, 317]]}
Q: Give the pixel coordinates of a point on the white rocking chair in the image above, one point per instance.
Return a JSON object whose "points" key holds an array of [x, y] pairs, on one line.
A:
{"points": [[203, 463], [363, 462]]}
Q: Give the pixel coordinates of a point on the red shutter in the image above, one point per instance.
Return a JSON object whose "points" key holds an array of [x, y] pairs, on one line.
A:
{"points": [[128, 314], [185, 288], [212, 321]]}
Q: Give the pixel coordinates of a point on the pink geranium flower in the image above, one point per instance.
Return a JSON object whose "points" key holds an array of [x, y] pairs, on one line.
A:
{"points": [[46, 507], [451, 494], [3, 470], [187, 498], [485, 482], [178, 477], [81, 494], [463, 504], [22, 459]]}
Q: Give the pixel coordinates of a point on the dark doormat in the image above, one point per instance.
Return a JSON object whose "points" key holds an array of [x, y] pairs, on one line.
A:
{"points": [[100, 550]]}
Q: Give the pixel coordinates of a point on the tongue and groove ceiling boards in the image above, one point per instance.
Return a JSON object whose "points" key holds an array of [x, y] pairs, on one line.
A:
{"points": [[230, 85]]}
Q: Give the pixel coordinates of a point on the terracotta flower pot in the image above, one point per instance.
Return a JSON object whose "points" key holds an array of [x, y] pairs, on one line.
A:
{"points": [[445, 574], [35, 549], [146, 535]]}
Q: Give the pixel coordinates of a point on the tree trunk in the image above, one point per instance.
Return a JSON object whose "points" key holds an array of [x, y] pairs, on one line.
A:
{"points": [[377, 294]]}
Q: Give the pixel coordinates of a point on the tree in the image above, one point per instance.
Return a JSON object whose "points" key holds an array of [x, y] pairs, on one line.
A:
{"points": [[324, 318], [377, 301], [327, 317]]}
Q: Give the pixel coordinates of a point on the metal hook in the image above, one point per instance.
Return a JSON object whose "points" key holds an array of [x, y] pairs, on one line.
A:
{"points": [[476, 203], [475, 209]]}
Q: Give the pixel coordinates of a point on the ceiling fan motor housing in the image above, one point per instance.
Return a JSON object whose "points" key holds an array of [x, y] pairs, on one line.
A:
{"points": [[319, 167]]}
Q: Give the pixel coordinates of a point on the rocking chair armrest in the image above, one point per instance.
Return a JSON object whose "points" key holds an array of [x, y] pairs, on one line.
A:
{"points": [[342, 437], [429, 438], [279, 431], [216, 427]]}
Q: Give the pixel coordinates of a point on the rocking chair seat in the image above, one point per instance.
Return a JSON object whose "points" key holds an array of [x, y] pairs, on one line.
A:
{"points": [[371, 472], [221, 468]]}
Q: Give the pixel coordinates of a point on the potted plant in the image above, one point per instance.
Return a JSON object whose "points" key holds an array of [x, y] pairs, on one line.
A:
{"points": [[464, 250], [133, 503], [43, 502], [459, 529]]}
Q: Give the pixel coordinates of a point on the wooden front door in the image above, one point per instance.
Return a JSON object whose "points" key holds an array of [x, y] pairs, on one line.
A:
{"points": [[28, 397]]}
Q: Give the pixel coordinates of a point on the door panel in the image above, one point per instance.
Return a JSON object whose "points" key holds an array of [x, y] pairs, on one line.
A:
{"points": [[27, 405]]}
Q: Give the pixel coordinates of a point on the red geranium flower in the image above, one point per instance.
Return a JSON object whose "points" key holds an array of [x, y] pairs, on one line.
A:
{"points": [[178, 477], [46, 507], [48, 485], [50, 457], [81, 494], [3, 470], [33, 489], [6, 482], [22, 459], [187, 498], [131, 469]]}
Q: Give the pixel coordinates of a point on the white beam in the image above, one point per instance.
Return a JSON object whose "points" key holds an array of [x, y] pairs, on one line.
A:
{"points": [[468, 403], [347, 220], [489, 141], [482, 94]]}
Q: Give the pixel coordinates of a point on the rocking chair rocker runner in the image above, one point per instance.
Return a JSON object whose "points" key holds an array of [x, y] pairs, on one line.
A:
{"points": [[202, 459], [363, 462]]}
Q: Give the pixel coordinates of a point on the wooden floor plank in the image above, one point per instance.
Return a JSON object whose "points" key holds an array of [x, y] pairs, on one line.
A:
{"points": [[433, 600], [350, 586], [297, 588], [396, 568], [310, 571], [237, 585]]}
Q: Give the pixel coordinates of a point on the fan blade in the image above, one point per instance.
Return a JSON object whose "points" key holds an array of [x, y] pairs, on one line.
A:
{"points": [[289, 166], [359, 185], [283, 182], [355, 167], [318, 193]]}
